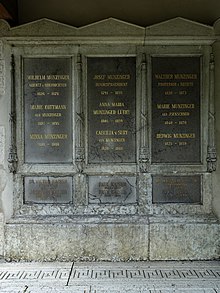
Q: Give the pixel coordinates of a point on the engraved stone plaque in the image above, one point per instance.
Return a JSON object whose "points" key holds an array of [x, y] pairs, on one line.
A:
{"points": [[177, 189], [48, 190], [111, 91], [112, 190], [47, 110], [176, 110]]}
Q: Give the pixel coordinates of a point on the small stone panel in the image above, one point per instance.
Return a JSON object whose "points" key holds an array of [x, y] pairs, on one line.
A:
{"points": [[112, 190], [47, 110], [111, 90], [176, 110], [176, 189], [48, 190]]}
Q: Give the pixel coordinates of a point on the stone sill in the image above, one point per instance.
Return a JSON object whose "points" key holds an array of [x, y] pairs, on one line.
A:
{"points": [[114, 219]]}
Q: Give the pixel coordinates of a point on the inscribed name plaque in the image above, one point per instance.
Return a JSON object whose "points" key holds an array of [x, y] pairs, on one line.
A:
{"points": [[112, 189], [47, 110], [176, 110], [177, 189], [48, 189], [111, 91]]}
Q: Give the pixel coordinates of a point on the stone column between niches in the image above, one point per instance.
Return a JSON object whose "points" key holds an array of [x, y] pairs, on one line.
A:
{"points": [[216, 175], [2, 148]]}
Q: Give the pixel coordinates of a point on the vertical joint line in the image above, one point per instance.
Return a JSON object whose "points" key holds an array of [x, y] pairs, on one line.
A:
{"points": [[70, 273]]}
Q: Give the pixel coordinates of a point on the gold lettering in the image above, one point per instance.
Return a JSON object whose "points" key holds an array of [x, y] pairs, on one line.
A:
{"points": [[55, 107], [111, 132], [36, 136], [185, 76], [58, 77], [164, 76], [175, 135], [51, 114], [55, 85], [55, 144], [163, 106], [123, 112], [113, 139], [41, 94], [104, 112], [101, 76], [36, 107], [179, 114], [183, 106], [163, 135], [119, 76], [186, 84], [35, 84], [184, 135], [119, 104], [48, 107], [36, 77], [167, 84], [104, 104], [55, 136], [111, 84]]}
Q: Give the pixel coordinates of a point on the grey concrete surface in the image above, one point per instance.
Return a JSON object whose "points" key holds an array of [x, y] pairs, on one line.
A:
{"points": [[104, 277]]}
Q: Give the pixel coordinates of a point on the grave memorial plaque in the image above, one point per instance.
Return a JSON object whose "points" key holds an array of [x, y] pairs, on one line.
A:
{"points": [[47, 110], [112, 189], [175, 110], [111, 91], [48, 189], [177, 189]]}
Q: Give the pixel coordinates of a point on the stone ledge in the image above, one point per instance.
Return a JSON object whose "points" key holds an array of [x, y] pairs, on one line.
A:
{"points": [[112, 238], [80, 219]]}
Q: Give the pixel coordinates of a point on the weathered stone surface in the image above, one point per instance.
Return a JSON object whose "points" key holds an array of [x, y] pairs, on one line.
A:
{"points": [[112, 26], [39, 27], [217, 27], [112, 239], [1, 234], [2, 144], [182, 239], [77, 241], [4, 27], [54, 231], [114, 189], [179, 26]]}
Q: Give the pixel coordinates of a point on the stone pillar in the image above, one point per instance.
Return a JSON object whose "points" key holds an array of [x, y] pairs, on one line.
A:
{"points": [[2, 150], [216, 175], [1, 234]]}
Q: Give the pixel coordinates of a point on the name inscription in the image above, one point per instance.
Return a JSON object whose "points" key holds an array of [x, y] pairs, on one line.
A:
{"points": [[47, 107], [112, 189], [176, 109], [111, 89], [176, 189], [48, 189]]}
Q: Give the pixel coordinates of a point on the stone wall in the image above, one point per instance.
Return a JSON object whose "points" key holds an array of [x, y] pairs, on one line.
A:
{"points": [[84, 225]]}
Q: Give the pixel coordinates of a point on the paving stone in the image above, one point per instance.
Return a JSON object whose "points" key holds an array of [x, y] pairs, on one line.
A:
{"points": [[133, 277]]}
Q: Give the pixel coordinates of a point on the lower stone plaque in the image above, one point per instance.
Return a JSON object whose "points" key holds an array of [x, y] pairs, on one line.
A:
{"points": [[112, 190], [177, 189], [48, 190]]}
